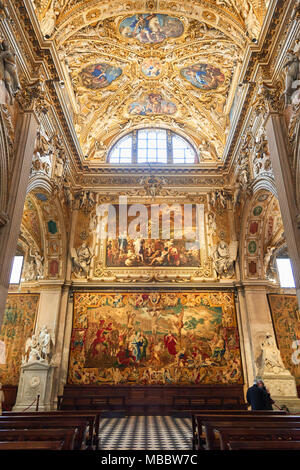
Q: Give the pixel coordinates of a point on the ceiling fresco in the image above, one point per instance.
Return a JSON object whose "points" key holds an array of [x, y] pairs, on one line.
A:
{"points": [[149, 63]]}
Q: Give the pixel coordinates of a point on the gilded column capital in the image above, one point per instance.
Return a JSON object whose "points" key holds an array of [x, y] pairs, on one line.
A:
{"points": [[31, 99], [270, 100]]}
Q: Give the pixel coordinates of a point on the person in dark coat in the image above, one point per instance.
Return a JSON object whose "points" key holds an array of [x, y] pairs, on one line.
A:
{"points": [[269, 400], [257, 397]]}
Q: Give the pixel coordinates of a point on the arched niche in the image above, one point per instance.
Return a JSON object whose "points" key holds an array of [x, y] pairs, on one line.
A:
{"points": [[261, 235], [43, 235]]}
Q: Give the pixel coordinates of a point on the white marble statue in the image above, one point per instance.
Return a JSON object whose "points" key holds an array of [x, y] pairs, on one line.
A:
{"points": [[39, 347], [8, 70], [45, 343], [271, 361], [223, 262], [38, 261], [32, 350], [82, 260]]}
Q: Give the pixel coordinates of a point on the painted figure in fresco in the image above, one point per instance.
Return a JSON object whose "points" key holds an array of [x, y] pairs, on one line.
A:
{"points": [[151, 28], [218, 347], [152, 104], [170, 343], [100, 75], [203, 76]]}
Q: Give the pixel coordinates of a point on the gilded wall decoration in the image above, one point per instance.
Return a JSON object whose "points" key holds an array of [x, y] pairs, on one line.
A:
{"points": [[151, 28], [99, 75], [18, 325], [155, 338], [286, 319], [203, 76]]}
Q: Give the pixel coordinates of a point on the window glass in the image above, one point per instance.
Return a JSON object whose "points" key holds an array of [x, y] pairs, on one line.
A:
{"points": [[16, 271], [285, 272]]}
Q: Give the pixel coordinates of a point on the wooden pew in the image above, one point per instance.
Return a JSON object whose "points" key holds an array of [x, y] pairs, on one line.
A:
{"points": [[213, 402], [214, 423], [286, 433], [198, 432], [32, 422], [65, 436], [264, 445], [94, 426], [32, 445]]}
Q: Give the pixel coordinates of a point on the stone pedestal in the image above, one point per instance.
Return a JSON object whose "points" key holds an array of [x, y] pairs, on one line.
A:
{"points": [[283, 391], [35, 379]]}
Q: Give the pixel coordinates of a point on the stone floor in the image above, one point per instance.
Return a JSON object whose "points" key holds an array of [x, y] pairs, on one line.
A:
{"points": [[146, 432]]}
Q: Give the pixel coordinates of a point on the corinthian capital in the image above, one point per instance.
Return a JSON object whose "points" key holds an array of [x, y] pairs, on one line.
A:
{"points": [[32, 97], [269, 99]]}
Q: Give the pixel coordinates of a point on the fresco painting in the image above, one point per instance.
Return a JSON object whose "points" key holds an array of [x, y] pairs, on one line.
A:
{"points": [[166, 251], [203, 76], [286, 319], [99, 75], [151, 28], [18, 324], [153, 103], [151, 67], [154, 338]]}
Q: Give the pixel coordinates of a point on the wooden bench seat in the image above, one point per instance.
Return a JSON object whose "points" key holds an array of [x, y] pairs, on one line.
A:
{"points": [[264, 445], [286, 433], [198, 434], [32, 445], [215, 423], [93, 416], [33, 422], [65, 436]]}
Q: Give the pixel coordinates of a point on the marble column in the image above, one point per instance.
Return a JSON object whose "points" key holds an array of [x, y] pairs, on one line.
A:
{"points": [[278, 146], [24, 146]]}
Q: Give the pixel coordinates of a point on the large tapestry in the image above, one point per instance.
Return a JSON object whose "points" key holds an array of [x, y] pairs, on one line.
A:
{"points": [[18, 325], [286, 320], [154, 338]]}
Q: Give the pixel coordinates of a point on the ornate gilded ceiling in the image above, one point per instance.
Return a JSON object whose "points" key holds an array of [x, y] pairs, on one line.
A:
{"points": [[151, 63]]}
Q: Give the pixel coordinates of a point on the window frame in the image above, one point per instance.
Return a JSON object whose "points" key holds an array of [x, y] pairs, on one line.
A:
{"points": [[169, 148]]}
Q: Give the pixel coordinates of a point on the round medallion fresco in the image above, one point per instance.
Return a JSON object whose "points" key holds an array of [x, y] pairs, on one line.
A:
{"points": [[252, 247], [203, 76], [151, 67], [151, 28]]}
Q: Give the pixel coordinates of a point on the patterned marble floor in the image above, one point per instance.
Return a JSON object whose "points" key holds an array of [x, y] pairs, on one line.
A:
{"points": [[146, 432]]}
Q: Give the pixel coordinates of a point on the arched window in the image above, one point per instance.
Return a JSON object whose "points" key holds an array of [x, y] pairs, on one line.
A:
{"points": [[147, 146]]}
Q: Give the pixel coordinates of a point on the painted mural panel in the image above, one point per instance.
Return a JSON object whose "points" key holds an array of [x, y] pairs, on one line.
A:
{"points": [[18, 324], [154, 338], [99, 75], [286, 320], [203, 76], [151, 28], [153, 103], [173, 247]]}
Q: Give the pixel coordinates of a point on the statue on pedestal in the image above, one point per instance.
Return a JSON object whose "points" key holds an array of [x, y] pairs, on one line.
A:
{"points": [[223, 262], [38, 347]]}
